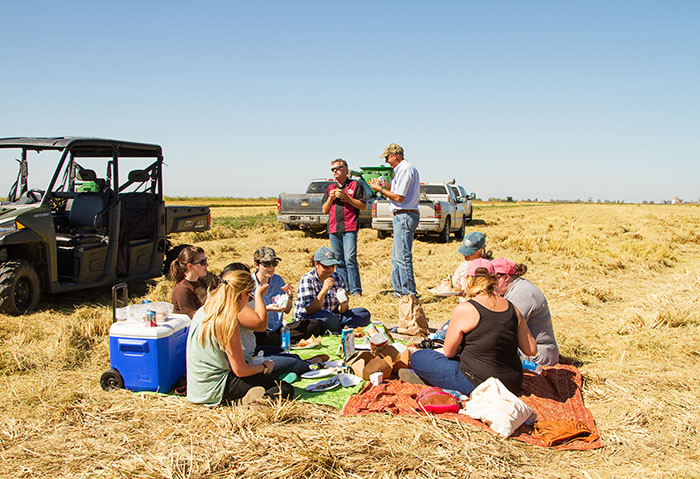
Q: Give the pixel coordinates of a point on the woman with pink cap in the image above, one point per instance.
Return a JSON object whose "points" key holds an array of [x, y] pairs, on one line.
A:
{"points": [[532, 305], [482, 339]]}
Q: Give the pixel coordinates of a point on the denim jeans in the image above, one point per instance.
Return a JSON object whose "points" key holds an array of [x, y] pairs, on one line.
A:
{"points": [[345, 246], [352, 318], [402, 280], [438, 370], [285, 363]]}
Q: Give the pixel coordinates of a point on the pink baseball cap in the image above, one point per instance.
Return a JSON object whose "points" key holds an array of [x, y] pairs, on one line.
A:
{"points": [[503, 265], [479, 263]]}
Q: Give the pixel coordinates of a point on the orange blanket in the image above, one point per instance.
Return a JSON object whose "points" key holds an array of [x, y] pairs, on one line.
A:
{"points": [[554, 395]]}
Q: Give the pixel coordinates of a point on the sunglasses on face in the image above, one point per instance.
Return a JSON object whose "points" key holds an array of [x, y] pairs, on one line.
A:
{"points": [[336, 168], [268, 264], [202, 262]]}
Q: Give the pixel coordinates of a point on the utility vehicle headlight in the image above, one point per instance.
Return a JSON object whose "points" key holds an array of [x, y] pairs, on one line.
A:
{"points": [[8, 227]]}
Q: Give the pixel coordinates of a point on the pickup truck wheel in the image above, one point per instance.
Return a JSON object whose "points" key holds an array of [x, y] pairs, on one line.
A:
{"points": [[445, 233], [288, 227], [19, 287], [382, 234], [460, 232]]}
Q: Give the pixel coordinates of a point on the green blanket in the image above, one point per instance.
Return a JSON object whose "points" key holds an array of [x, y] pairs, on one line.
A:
{"points": [[330, 345]]}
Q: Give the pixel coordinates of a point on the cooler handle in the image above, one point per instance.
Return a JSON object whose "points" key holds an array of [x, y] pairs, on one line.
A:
{"points": [[115, 297]]}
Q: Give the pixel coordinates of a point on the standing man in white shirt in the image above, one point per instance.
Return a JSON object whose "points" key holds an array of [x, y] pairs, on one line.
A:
{"points": [[403, 198]]}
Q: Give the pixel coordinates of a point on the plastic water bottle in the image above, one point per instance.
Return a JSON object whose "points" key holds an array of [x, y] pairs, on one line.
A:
{"points": [[532, 366], [284, 335]]}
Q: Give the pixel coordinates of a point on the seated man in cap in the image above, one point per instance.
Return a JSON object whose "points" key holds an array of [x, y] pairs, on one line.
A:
{"points": [[321, 295]]}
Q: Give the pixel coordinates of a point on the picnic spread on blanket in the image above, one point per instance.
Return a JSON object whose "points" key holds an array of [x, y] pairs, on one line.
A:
{"points": [[360, 378]]}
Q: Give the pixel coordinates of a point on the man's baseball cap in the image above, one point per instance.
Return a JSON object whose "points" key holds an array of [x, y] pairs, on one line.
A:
{"points": [[503, 265], [477, 264], [326, 256], [472, 243], [391, 149], [265, 253]]}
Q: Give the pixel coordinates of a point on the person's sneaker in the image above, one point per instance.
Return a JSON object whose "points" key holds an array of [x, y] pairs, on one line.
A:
{"points": [[253, 394], [409, 376]]}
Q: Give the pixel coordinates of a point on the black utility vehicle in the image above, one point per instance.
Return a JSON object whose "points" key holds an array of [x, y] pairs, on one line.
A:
{"points": [[101, 219]]}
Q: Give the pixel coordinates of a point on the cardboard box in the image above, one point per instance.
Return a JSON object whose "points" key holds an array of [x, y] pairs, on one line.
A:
{"points": [[388, 361]]}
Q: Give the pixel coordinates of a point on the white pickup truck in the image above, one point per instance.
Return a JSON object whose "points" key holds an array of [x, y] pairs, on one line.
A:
{"points": [[444, 208]]}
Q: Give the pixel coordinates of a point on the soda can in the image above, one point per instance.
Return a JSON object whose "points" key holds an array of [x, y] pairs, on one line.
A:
{"points": [[151, 315]]}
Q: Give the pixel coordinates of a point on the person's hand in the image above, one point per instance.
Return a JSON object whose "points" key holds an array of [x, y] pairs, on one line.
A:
{"points": [[269, 366], [261, 289], [327, 284], [375, 184], [340, 194], [288, 289], [275, 307]]}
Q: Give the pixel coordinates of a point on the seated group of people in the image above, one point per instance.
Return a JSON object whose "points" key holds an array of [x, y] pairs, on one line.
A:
{"points": [[501, 320], [234, 319]]}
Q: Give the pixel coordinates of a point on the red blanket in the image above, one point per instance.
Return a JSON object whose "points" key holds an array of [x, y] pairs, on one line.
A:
{"points": [[553, 395]]}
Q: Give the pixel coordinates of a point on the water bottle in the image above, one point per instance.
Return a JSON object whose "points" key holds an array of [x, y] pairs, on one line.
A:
{"points": [[532, 366], [284, 335]]}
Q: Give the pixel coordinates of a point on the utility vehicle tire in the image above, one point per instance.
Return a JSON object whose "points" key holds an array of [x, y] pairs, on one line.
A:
{"points": [[111, 380], [288, 227], [19, 287], [459, 234], [445, 233], [382, 234]]}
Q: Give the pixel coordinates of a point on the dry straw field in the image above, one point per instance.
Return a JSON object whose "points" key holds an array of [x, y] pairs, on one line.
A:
{"points": [[622, 282]]}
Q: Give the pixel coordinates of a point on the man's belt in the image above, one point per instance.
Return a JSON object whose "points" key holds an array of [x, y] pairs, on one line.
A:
{"points": [[398, 212]]}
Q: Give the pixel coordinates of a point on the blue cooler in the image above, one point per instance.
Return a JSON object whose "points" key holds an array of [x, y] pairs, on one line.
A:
{"points": [[149, 358]]}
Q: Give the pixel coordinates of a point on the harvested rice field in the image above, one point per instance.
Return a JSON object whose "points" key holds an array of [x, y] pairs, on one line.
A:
{"points": [[622, 282]]}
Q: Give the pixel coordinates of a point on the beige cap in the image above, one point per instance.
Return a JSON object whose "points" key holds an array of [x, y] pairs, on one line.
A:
{"points": [[391, 148]]}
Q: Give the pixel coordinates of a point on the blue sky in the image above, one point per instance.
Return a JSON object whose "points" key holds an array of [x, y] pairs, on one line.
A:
{"points": [[539, 99]]}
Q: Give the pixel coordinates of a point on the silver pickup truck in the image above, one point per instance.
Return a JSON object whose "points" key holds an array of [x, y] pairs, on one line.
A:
{"points": [[303, 211], [445, 208]]}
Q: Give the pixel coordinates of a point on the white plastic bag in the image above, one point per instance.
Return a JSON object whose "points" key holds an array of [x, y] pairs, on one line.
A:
{"points": [[497, 407]]}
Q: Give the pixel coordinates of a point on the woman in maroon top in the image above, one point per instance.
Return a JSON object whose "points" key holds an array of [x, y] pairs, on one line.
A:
{"points": [[189, 271]]}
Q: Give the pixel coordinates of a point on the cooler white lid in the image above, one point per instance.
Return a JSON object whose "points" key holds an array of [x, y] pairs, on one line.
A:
{"points": [[138, 328]]}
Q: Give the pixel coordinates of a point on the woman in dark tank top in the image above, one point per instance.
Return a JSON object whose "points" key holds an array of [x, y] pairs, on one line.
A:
{"points": [[482, 339]]}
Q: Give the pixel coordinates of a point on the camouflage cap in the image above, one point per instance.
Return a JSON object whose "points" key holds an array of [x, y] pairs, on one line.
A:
{"points": [[391, 148], [265, 253]]}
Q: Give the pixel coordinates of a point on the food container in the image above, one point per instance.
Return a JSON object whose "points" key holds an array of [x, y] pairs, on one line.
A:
{"points": [[149, 358], [376, 378]]}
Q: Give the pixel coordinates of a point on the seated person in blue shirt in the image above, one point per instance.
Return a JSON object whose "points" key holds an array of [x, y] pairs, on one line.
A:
{"points": [[317, 295]]}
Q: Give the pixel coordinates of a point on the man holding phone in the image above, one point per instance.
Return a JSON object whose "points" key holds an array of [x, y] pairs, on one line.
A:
{"points": [[345, 199]]}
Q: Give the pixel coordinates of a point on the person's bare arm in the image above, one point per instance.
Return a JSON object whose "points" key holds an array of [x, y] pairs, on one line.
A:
{"points": [[526, 342], [464, 318], [317, 303], [238, 365], [255, 320]]}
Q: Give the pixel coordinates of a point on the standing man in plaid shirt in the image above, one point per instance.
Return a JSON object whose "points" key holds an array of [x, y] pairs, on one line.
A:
{"points": [[321, 295], [345, 199]]}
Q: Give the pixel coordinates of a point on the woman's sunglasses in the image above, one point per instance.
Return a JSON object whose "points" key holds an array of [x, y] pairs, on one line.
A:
{"points": [[201, 263]]}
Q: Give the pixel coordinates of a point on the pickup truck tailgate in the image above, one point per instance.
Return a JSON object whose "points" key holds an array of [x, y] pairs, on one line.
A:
{"points": [[300, 204], [187, 218]]}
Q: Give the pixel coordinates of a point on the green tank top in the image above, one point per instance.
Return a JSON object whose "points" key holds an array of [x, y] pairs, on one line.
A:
{"points": [[207, 366]]}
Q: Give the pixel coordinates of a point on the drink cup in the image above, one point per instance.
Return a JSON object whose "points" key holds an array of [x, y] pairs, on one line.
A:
{"points": [[341, 295]]}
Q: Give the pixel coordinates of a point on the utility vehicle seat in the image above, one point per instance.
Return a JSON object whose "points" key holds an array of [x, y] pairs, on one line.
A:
{"points": [[87, 219]]}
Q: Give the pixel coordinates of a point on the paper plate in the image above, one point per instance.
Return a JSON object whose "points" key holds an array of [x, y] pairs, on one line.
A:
{"points": [[308, 346], [319, 373], [443, 293], [325, 385], [338, 363]]}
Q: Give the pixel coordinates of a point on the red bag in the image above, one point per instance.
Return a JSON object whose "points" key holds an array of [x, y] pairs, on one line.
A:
{"points": [[437, 401]]}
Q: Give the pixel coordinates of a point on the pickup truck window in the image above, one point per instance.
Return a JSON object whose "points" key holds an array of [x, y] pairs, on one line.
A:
{"points": [[433, 189], [318, 187]]}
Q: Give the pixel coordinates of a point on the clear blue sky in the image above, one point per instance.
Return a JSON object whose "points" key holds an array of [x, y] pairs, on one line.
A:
{"points": [[545, 99]]}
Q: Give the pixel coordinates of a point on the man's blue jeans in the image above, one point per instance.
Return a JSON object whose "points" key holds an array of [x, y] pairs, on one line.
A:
{"points": [[345, 246], [335, 322], [438, 370], [402, 280]]}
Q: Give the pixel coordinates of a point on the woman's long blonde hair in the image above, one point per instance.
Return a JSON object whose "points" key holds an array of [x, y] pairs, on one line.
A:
{"points": [[483, 282], [221, 308]]}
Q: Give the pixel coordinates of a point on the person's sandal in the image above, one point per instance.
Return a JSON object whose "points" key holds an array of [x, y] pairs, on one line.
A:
{"points": [[319, 358]]}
